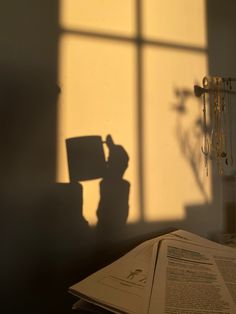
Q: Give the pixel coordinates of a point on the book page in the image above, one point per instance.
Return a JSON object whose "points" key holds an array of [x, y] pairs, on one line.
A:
{"points": [[185, 235], [181, 235], [122, 285], [119, 286], [187, 280]]}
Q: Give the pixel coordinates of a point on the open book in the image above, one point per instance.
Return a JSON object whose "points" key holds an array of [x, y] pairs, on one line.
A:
{"points": [[177, 273]]}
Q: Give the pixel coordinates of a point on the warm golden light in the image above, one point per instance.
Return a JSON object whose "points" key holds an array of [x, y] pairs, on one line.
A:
{"points": [[174, 163], [176, 21], [98, 98], [99, 76], [112, 17]]}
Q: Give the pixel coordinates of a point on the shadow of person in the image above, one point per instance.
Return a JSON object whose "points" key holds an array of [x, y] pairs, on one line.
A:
{"points": [[113, 207]]}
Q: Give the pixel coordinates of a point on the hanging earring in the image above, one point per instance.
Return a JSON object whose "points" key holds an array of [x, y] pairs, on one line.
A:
{"points": [[205, 147]]}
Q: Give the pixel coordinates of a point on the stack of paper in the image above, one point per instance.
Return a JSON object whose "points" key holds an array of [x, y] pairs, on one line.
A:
{"points": [[177, 273]]}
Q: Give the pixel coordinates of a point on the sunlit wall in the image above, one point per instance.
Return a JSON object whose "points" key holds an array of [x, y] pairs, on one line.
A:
{"points": [[112, 53]]}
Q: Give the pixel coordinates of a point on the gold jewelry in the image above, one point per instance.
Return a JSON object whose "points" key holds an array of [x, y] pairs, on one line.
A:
{"points": [[217, 136], [205, 147]]}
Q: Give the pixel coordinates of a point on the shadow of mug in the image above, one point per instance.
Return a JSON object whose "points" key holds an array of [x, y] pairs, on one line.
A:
{"points": [[86, 158]]}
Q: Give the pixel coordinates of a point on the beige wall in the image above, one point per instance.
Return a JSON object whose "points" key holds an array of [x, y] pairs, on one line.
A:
{"points": [[99, 71], [106, 76], [126, 68]]}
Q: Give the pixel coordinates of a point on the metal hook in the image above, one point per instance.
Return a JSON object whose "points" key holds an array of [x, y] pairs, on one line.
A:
{"points": [[205, 150]]}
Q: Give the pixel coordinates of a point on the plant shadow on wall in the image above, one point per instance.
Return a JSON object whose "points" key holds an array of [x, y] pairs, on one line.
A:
{"points": [[190, 135], [86, 161]]}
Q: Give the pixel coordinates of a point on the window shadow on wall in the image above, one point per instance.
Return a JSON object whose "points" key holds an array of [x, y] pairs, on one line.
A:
{"points": [[46, 243]]}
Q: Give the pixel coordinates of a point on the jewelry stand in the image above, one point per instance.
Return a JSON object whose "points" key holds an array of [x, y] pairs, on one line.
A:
{"points": [[217, 133]]}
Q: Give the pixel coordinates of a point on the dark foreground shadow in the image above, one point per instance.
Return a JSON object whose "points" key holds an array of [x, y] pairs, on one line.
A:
{"points": [[47, 245]]}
